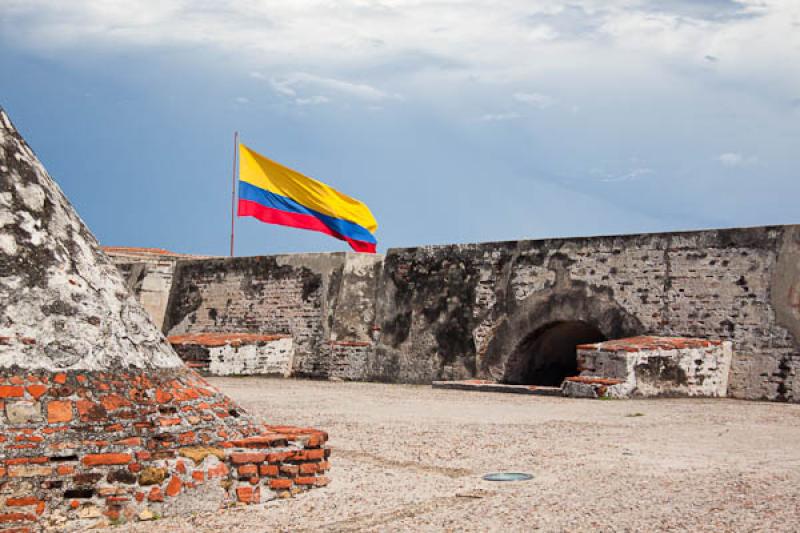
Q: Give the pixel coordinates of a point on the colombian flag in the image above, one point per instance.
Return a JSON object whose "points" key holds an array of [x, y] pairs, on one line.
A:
{"points": [[275, 194]]}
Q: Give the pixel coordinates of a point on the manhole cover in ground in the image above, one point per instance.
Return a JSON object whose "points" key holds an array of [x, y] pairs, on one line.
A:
{"points": [[507, 476]]}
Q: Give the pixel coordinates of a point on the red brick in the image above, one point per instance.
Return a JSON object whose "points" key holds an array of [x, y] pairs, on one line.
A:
{"points": [[278, 484], [241, 458], [130, 441], [290, 470], [114, 401], [144, 455], [309, 468], [22, 502], [247, 470], [315, 441], [261, 441], [221, 470], [58, 411], [65, 470], [308, 455], [107, 459], [11, 391], [155, 495], [198, 475], [163, 396], [248, 495], [37, 391], [318, 481], [60, 378], [17, 517], [278, 457], [174, 486], [268, 470]]}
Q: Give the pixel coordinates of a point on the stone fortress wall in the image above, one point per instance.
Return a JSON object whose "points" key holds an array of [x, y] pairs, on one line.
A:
{"points": [[471, 311]]}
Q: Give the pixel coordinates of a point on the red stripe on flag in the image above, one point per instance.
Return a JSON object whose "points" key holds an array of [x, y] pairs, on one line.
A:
{"points": [[270, 215]]}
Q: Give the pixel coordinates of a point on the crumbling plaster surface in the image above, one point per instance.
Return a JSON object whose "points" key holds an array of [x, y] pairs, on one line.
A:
{"points": [[657, 366], [151, 282], [63, 305], [460, 311], [288, 294]]}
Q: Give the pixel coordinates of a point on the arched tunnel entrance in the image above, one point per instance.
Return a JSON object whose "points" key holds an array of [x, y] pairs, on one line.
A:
{"points": [[547, 355]]}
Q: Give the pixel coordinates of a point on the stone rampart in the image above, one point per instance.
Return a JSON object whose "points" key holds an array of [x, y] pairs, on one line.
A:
{"points": [[472, 311]]}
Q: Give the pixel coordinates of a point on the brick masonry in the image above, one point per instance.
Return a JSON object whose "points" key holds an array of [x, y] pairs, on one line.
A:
{"points": [[230, 354], [465, 311], [653, 366], [129, 444]]}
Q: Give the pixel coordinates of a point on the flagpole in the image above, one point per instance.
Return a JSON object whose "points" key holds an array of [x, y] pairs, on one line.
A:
{"points": [[233, 187]]}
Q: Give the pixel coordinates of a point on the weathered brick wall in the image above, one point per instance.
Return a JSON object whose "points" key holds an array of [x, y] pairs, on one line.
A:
{"points": [[289, 295], [317, 299], [78, 448], [225, 354], [454, 312], [462, 311]]}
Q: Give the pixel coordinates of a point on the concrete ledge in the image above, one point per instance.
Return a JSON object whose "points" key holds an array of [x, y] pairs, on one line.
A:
{"points": [[236, 354], [492, 386], [651, 366]]}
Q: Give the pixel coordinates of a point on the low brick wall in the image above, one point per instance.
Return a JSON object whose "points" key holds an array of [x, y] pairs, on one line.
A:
{"points": [[652, 366], [78, 447], [236, 354], [349, 359]]}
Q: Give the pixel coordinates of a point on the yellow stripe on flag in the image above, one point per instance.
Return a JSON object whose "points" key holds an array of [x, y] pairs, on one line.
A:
{"points": [[264, 173]]}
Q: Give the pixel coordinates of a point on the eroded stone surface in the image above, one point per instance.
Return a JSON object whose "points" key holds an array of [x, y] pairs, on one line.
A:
{"points": [[63, 305]]}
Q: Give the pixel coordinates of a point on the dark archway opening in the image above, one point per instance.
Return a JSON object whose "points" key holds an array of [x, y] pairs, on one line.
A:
{"points": [[548, 355]]}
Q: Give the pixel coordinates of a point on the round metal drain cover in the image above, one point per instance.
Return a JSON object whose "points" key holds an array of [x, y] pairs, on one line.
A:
{"points": [[507, 476]]}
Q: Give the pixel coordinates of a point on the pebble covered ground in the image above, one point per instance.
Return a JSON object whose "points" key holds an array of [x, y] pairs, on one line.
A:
{"points": [[411, 458]]}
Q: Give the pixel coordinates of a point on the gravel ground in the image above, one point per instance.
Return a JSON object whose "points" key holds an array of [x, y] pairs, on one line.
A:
{"points": [[411, 458]]}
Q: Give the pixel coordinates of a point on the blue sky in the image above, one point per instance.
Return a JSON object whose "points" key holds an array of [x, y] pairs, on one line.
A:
{"points": [[455, 121]]}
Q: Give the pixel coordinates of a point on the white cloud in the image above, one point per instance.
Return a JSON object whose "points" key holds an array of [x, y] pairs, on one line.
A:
{"points": [[317, 99], [295, 84], [499, 117], [631, 175], [733, 159], [541, 101], [242, 100], [513, 40]]}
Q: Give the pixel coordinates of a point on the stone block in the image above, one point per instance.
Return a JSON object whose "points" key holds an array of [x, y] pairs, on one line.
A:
{"points": [[23, 412]]}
